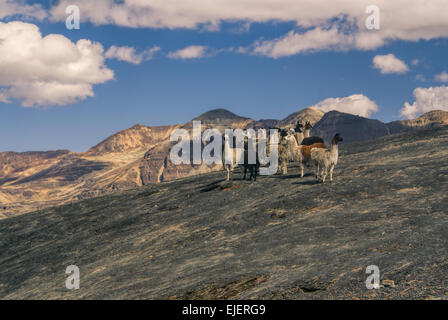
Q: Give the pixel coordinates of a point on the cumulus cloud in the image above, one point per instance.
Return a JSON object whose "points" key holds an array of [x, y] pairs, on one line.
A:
{"points": [[9, 8], [357, 104], [191, 52], [426, 99], [389, 64], [410, 20], [442, 77], [129, 54], [50, 70]]}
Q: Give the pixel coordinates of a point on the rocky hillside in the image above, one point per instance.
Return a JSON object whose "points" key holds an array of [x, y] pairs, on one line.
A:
{"points": [[140, 155], [137, 137], [311, 114], [13, 163], [430, 119], [351, 127], [281, 237]]}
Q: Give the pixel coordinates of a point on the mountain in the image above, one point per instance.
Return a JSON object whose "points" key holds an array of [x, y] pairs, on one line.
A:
{"points": [[156, 167], [351, 127], [220, 119], [219, 116], [308, 114], [280, 237], [432, 118], [137, 137], [15, 165], [33, 180], [139, 156]]}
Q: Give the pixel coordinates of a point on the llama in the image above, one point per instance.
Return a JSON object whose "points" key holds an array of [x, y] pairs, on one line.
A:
{"points": [[302, 153], [308, 141], [239, 157], [284, 153], [326, 159], [253, 168], [299, 132], [230, 161], [308, 128]]}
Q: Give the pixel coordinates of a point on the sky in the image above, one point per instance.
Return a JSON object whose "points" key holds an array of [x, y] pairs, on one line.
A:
{"points": [[159, 62]]}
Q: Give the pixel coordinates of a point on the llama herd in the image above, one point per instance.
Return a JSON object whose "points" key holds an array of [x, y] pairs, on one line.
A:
{"points": [[296, 145]]}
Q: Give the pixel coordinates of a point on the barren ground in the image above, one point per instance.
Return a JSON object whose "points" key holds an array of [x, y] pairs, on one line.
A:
{"points": [[281, 237]]}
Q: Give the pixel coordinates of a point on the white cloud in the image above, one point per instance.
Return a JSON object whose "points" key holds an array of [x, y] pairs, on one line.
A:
{"points": [[10, 8], [50, 70], [191, 52], [357, 104], [129, 54], [389, 64], [293, 43], [415, 62], [426, 99], [409, 20], [442, 77]]}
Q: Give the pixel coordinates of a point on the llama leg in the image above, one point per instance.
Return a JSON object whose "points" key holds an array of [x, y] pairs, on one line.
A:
{"points": [[301, 170], [325, 171], [321, 175], [331, 172], [245, 171], [284, 168], [241, 170], [228, 173]]}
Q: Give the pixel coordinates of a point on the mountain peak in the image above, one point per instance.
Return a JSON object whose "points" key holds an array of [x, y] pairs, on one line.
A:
{"points": [[219, 114], [311, 114], [435, 115]]}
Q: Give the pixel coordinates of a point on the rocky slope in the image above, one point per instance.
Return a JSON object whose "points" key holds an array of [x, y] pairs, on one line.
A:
{"points": [[281, 237], [140, 155], [432, 118], [137, 137], [311, 114], [351, 127]]}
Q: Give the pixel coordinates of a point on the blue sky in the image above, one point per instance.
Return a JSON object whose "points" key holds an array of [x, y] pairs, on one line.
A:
{"points": [[164, 91]]}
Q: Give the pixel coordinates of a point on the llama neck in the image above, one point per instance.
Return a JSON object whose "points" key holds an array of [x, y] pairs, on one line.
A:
{"points": [[293, 142], [334, 150], [307, 133], [299, 137]]}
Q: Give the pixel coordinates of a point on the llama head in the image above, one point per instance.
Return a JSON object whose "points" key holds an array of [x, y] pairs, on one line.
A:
{"points": [[337, 138], [308, 126], [284, 133], [291, 131], [299, 126]]}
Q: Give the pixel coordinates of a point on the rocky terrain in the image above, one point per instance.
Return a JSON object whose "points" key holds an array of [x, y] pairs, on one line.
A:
{"points": [[281, 237], [140, 156], [427, 120], [353, 128]]}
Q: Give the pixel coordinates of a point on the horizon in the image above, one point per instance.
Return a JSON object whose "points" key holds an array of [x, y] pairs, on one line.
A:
{"points": [[69, 89], [183, 123]]}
